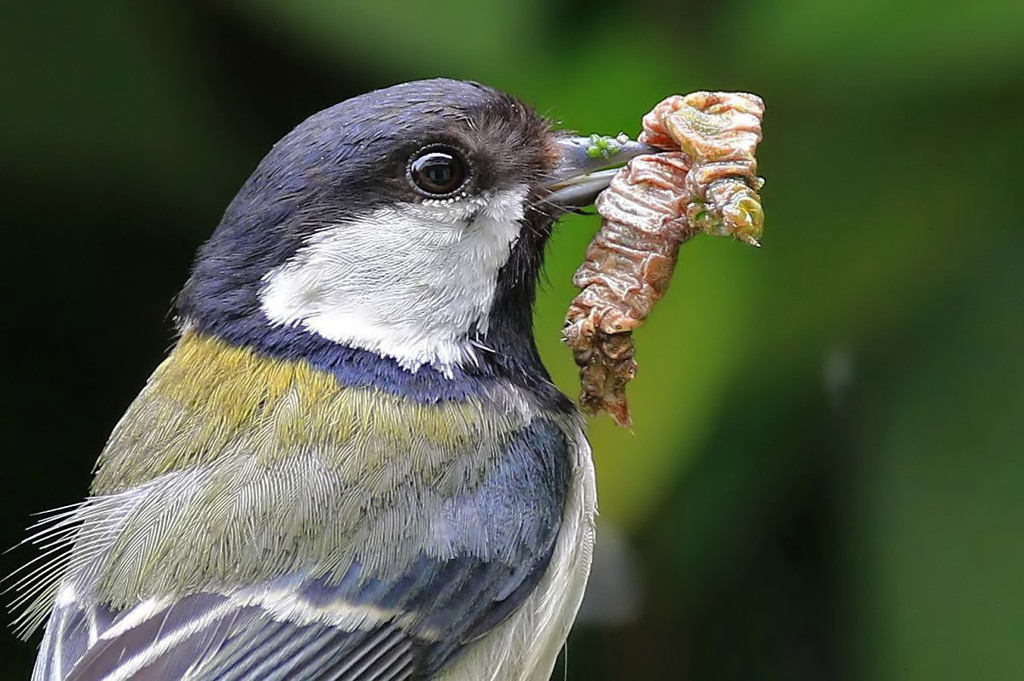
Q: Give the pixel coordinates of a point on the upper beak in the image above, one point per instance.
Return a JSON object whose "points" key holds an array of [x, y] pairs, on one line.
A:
{"points": [[586, 167]]}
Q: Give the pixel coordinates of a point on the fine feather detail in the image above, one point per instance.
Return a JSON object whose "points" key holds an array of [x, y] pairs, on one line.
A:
{"points": [[88, 527]]}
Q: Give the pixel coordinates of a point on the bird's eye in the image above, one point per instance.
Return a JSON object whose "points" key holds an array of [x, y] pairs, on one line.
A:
{"points": [[438, 172]]}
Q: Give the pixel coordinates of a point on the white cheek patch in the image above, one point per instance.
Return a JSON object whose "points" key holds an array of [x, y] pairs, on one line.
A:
{"points": [[406, 282]]}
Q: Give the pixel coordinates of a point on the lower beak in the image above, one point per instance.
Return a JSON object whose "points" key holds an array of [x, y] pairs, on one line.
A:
{"points": [[586, 167]]}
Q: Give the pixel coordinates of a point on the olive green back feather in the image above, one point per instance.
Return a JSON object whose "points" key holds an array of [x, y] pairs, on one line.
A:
{"points": [[230, 468]]}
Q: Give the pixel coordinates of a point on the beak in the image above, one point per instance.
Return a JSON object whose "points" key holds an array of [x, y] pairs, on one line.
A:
{"points": [[586, 167]]}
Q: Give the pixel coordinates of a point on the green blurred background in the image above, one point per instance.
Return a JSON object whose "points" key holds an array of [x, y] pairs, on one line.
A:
{"points": [[824, 479]]}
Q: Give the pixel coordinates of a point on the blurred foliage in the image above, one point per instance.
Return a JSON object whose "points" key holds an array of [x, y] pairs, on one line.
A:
{"points": [[823, 479]]}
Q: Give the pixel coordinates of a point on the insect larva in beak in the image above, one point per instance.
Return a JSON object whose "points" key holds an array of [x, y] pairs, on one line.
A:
{"points": [[705, 181]]}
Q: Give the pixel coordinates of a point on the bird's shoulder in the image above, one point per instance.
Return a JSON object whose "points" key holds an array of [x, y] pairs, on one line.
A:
{"points": [[266, 490]]}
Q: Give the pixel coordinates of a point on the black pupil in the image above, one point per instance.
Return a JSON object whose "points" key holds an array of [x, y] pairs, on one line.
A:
{"points": [[438, 172]]}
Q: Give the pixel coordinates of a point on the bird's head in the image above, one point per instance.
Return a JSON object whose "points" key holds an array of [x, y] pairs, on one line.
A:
{"points": [[408, 223]]}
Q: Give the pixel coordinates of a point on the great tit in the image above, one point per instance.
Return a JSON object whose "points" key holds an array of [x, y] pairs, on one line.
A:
{"points": [[353, 464]]}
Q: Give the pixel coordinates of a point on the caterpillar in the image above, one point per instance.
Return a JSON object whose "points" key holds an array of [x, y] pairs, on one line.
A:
{"points": [[704, 180]]}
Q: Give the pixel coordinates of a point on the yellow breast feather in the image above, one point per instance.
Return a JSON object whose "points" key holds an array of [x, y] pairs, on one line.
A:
{"points": [[209, 399]]}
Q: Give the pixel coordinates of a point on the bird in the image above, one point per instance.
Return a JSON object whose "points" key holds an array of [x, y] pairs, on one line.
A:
{"points": [[352, 465]]}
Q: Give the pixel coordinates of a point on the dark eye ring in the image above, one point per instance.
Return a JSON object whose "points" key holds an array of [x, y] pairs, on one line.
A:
{"points": [[438, 171]]}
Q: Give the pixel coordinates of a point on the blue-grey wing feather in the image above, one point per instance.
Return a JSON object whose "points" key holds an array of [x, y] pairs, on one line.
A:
{"points": [[417, 623]]}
